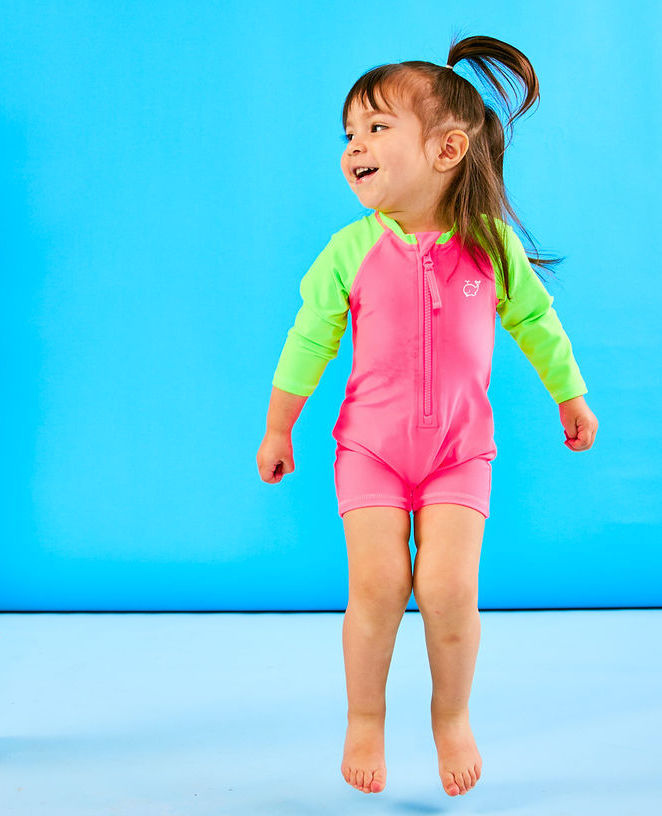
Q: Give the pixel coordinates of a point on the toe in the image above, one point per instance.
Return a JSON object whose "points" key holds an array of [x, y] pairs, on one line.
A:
{"points": [[450, 786], [467, 780], [378, 781], [459, 780], [367, 781], [359, 778]]}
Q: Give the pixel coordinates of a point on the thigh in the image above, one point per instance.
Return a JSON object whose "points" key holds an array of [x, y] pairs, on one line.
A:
{"points": [[378, 552], [469, 484], [363, 480], [448, 540]]}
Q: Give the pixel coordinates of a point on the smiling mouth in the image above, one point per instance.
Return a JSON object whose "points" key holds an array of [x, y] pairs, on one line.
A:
{"points": [[365, 174]]}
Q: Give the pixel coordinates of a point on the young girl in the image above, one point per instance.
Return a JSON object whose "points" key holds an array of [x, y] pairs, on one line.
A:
{"points": [[424, 275]]}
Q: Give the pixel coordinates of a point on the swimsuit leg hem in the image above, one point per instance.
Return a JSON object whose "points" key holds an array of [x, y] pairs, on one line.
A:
{"points": [[372, 500], [453, 498]]}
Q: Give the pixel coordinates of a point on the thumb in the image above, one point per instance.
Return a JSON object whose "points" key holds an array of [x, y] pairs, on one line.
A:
{"points": [[282, 466], [288, 464]]}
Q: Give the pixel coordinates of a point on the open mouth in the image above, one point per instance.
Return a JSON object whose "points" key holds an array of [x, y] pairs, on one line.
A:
{"points": [[364, 173]]}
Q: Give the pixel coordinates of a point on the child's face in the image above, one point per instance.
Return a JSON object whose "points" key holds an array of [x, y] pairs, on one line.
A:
{"points": [[392, 143]]}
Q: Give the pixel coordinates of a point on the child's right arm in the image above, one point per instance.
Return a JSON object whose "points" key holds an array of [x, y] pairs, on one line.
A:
{"points": [[314, 338], [311, 343], [275, 457], [284, 410]]}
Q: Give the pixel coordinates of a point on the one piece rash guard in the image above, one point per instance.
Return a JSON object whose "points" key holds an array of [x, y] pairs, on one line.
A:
{"points": [[423, 324]]}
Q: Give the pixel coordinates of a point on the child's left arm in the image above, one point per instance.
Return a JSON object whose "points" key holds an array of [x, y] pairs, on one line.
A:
{"points": [[579, 423], [534, 324]]}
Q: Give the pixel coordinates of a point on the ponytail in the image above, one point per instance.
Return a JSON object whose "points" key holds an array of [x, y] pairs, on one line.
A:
{"points": [[476, 198]]}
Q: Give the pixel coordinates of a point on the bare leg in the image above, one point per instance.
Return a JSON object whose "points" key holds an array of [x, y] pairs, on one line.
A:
{"points": [[380, 585], [448, 540]]}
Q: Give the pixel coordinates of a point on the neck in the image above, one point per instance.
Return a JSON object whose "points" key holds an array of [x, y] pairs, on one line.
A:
{"points": [[412, 225]]}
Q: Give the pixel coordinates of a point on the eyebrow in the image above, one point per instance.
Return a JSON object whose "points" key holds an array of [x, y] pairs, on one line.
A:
{"points": [[372, 113]]}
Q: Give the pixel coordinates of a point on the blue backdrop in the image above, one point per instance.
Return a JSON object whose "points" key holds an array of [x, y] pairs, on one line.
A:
{"points": [[169, 171]]}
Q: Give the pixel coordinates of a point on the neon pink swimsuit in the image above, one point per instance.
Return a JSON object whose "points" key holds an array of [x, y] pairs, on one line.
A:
{"points": [[416, 425]]}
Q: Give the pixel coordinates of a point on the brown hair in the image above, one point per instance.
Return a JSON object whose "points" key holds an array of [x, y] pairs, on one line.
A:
{"points": [[443, 101]]}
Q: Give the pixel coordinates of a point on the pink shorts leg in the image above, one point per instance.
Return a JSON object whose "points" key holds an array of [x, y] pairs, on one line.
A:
{"points": [[365, 481], [469, 483]]}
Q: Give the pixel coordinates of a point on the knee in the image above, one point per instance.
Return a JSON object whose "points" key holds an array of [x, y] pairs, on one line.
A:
{"points": [[447, 599], [383, 590]]}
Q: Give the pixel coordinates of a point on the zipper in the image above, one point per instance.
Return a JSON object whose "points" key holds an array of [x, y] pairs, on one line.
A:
{"points": [[431, 301]]}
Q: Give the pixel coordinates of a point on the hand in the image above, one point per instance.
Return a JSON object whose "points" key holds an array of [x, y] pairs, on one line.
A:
{"points": [[275, 457], [579, 422]]}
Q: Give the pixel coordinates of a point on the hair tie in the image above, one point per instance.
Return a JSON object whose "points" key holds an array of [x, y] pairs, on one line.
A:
{"points": [[447, 66]]}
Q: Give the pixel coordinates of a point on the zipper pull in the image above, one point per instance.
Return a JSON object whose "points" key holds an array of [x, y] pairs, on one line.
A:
{"points": [[432, 282]]}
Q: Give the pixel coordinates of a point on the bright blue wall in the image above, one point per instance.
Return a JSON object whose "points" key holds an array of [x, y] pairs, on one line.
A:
{"points": [[169, 170]]}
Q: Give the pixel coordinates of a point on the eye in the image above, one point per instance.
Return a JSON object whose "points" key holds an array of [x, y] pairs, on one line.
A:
{"points": [[346, 137]]}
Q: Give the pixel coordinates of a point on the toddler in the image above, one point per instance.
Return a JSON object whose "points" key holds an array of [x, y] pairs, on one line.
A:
{"points": [[424, 276]]}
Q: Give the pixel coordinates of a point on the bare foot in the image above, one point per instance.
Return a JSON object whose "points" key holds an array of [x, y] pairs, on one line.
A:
{"points": [[460, 763], [363, 763]]}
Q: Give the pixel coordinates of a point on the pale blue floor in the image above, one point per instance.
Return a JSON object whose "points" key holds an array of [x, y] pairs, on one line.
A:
{"points": [[228, 714]]}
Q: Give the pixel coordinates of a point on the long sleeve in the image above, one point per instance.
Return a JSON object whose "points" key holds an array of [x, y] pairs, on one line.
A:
{"points": [[314, 339], [535, 326]]}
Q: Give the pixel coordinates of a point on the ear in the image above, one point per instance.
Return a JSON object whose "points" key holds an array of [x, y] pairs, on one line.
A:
{"points": [[452, 148]]}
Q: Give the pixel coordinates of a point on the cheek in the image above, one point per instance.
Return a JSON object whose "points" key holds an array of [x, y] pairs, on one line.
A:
{"points": [[416, 167], [402, 165], [399, 158]]}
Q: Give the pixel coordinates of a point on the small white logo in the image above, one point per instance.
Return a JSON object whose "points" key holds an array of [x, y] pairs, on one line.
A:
{"points": [[471, 289]]}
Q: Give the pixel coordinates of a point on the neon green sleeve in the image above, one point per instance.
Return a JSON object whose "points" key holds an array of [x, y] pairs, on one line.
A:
{"points": [[320, 323], [535, 326]]}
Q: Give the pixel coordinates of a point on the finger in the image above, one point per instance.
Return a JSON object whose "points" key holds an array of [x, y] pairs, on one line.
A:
{"points": [[587, 436], [269, 474], [577, 445], [574, 444]]}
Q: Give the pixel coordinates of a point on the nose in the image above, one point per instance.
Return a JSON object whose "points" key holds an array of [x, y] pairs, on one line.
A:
{"points": [[354, 145]]}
